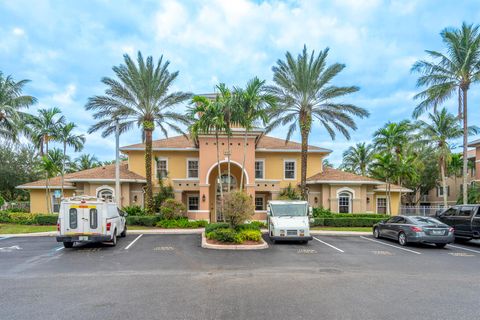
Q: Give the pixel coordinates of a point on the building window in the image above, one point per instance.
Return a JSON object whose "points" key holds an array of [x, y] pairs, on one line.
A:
{"points": [[259, 166], [193, 203], [440, 191], [192, 168], [344, 200], [382, 205], [162, 168], [105, 194], [289, 169], [259, 203]]}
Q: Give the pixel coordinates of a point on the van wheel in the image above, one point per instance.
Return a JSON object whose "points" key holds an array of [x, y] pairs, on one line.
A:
{"points": [[124, 232], [114, 239], [68, 245]]}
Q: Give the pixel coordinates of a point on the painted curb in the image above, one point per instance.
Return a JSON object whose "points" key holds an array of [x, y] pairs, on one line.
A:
{"points": [[206, 245]]}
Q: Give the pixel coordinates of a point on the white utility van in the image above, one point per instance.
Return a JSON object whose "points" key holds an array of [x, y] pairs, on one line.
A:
{"points": [[90, 219], [289, 220]]}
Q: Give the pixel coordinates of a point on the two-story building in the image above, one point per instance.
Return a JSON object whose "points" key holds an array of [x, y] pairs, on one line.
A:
{"points": [[191, 168]]}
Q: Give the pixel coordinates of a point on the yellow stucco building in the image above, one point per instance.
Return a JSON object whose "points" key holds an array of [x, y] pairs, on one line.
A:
{"points": [[191, 168]]}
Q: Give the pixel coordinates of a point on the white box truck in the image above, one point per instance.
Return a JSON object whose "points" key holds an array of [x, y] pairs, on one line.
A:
{"points": [[289, 220], [88, 219]]}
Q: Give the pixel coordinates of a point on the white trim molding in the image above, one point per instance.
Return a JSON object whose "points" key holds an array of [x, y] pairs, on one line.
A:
{"points": [[346, 189], [226, 161]]}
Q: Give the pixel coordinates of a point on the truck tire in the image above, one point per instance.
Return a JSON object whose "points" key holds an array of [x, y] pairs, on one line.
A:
{"points": [[124, 232], [114, 238], [68, 245]]}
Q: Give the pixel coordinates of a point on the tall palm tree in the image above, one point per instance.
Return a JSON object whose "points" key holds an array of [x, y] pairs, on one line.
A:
{"points": [[44, 127], [304, 94], [393, 137], [11, 102], [139, 96], [253, 102], [50, 164], [66, 136], [451, 74], [441, 129], [86, 161], [385, 167], [358, 158]]}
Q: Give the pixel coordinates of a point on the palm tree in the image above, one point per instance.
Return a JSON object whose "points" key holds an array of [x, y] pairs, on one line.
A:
{"points": [[357, 158], [66, 136], [139, 96], [86, 161], [442, 128], [451, 74], [393, 137], [304, 94], [385, 167], [253, 101], [11, 102], [44, 127], [50, 164]]}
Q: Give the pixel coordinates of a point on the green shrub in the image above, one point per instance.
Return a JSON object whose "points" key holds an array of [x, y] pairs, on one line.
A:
{"points": [[181, 223], [147, 221], [214, 226], [254, 225], [289, 193], [46, 219], [237, 208], [329, 219], [134, 210], [2, 201], [25, 218], [4, 217], [250, 235], [173, 209], [165, 192], [227, 235]]}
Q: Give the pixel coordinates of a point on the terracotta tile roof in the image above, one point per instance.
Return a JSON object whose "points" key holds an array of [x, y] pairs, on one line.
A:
{"points": [[264, 143], [335, 175], [99, 173]]}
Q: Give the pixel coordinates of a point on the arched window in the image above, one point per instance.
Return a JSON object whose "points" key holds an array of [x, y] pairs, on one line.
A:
{"points": [[344, 202], [106, 194]]}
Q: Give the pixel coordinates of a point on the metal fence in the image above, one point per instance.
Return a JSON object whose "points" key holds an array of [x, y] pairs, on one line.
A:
{"points": [[430, 211], [18, 205]]}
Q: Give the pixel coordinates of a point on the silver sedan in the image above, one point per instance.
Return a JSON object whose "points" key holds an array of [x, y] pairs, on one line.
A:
{"points": [[414, 229]]}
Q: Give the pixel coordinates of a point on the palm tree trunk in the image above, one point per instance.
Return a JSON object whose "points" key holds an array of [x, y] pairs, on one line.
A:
{"points": [[148, 170], [47, 192], [63, 166], [465, 146], [304, 128], [219, 174], [244, 158], [444, 182]]}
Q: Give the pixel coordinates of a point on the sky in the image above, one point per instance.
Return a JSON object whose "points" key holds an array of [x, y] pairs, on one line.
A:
{"points": [[66, 47]]}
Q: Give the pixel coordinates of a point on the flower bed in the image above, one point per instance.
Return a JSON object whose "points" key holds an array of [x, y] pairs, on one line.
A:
{"points": [[243, 234]]}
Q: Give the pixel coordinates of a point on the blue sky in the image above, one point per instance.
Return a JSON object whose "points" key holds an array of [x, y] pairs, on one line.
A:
{"points": [[66, 47]]}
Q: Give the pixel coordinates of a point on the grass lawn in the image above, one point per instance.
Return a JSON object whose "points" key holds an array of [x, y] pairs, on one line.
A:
{"points": [[359, 229], [130, 227], [8, 228]]}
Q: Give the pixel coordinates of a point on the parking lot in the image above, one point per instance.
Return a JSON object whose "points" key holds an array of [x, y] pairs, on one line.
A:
{"points": [[172, 277]]}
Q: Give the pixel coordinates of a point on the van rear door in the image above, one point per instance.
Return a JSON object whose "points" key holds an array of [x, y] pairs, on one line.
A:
{"points": [[84, 219], [74, 219]]}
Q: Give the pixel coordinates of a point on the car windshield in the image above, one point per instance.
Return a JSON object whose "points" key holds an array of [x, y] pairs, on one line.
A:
{"points": [[425, 220], [291, 209]]}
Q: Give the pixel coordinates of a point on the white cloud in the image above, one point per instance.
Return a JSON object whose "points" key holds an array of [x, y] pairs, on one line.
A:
{"points": [[18, 32]]}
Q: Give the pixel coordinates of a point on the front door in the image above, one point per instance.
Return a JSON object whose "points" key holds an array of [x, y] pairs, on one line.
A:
{"points": [[224, 185]]}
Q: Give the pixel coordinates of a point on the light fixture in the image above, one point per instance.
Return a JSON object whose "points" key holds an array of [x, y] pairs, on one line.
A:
{"points": [[204, 198]]}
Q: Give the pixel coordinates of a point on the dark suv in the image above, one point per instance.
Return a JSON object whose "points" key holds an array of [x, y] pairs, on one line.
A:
{"points": [[465, 219]]}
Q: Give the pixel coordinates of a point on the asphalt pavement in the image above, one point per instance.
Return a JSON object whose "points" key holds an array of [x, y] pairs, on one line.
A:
{"points": [[172, 277]]}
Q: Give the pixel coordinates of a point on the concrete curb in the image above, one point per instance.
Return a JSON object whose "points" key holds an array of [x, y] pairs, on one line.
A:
{"points": [[33, 234], [206, 245]]}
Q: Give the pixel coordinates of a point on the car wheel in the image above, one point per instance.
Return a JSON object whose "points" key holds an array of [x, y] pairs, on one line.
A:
{"points": [[68, 244], [440, 245], [376, 233], [114, 239], [124, 233], [402, 239]]}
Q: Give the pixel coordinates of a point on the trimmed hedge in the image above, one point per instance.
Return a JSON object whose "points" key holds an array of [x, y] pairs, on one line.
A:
{"points": [[183, 223], [244, 232], [146, 221], [326, 218], [25, 218]]}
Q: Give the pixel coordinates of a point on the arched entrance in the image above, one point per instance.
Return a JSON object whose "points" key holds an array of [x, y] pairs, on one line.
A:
{"points": [[214, 186]]}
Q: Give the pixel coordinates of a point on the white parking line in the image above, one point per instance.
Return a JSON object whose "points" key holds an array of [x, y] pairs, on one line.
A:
{"points": [[3, 238], [462, 248], [59, 248], [328, 244], [131, 243], [390, 245]]}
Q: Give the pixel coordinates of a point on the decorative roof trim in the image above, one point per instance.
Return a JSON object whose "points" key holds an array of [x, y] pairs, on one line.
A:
{"points": [[345, 182], [160, 149], [106, 180]]}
